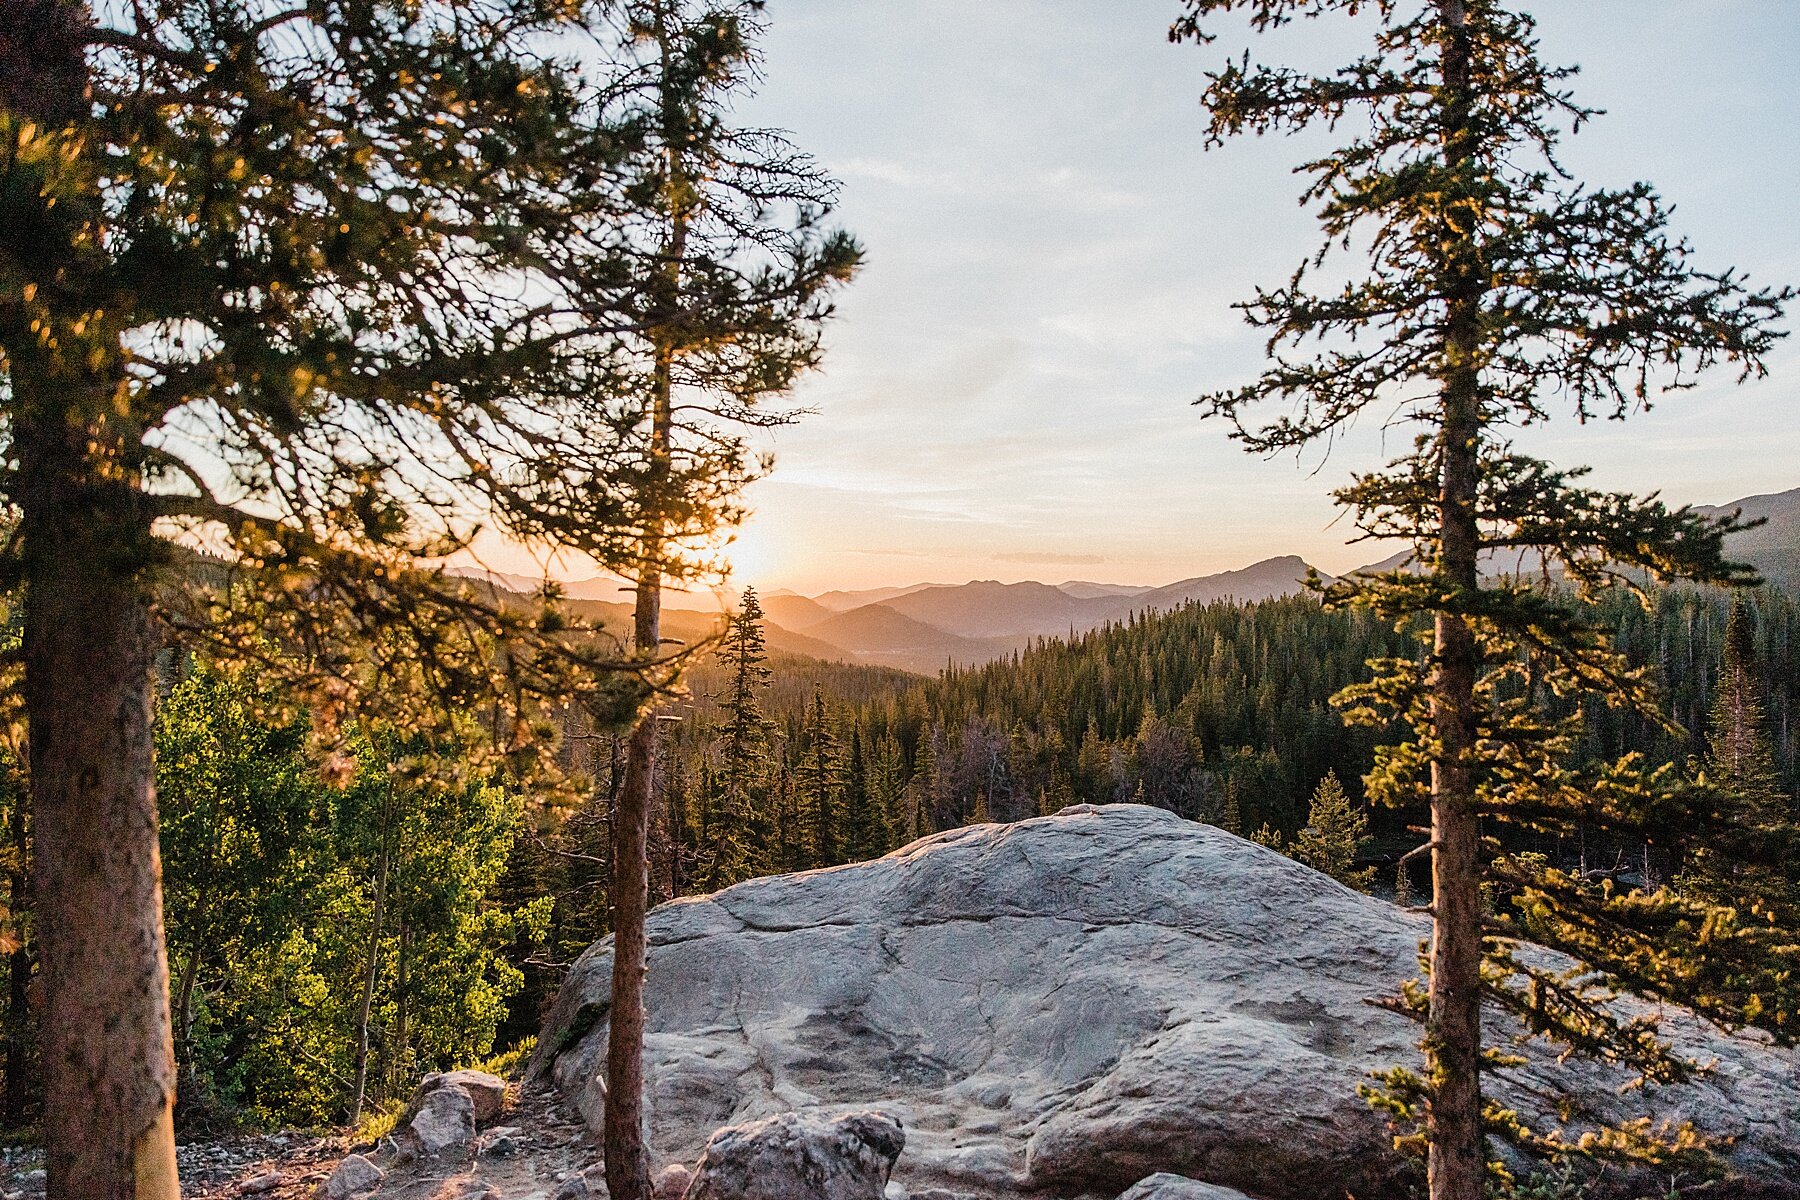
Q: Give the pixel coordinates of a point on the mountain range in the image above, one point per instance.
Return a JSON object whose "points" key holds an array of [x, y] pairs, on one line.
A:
{"points": [[922, 627]]}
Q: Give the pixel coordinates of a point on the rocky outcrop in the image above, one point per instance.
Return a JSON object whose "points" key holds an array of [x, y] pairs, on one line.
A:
{"points": [[446, 1110], [800, 1156], [1067, 1005], [671, 1183]]}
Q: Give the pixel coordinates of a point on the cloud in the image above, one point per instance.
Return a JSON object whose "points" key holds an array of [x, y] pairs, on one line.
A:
{"points": [[1066, 560]]}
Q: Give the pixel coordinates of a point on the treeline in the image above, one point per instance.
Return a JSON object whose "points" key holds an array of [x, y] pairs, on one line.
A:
{"points": [[1219, 712]]}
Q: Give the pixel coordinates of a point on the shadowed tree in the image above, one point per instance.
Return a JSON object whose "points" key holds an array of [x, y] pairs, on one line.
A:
{"points": [[1495, 288], [743, 747], [1740, 763], [319, 289], [820, 776]]}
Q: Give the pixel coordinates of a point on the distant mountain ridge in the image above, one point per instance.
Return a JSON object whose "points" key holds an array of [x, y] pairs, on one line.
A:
{"points": [[923, 627], [1772, 548]]}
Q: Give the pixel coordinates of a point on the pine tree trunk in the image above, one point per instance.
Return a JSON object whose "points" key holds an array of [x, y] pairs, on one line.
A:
{"points": [[1456, 1161], [627, 1157], [108, 1057]]}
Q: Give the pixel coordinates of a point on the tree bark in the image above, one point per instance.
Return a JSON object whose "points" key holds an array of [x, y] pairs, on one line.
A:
{"points": [[108, 1055], [627, 1157], [1456, 1158]]}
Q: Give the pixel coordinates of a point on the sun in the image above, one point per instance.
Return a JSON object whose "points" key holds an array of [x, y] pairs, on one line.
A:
{"points": [[752, 556]]}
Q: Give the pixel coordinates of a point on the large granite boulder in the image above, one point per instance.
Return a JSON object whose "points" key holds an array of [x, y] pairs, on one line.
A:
{"points": [[1067, 1005], [800, 1156]]}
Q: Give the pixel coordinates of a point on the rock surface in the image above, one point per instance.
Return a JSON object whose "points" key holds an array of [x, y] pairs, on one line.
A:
{"points": [[486, 1092], [354, 1176], [1067, 1005], [1164, 1186], [443, 1120], [800, 1156]]}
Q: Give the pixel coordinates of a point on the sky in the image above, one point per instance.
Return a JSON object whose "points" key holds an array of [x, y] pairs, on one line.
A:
{"points": [[1052, 256]]}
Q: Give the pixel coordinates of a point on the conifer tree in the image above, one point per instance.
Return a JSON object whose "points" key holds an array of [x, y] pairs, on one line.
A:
{"points": [[735, 275], [731, 834], [1741, 766], [865, 824], [890, 792], [1334, 837], [322, 288], [821, 780], [1232, 821], [1495, 287]]}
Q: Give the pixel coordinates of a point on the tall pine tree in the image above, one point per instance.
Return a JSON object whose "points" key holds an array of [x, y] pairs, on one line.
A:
{"points": [[865, 824], [1495, 287], [735, 274], [321, 287], [1740, 765], [733, 836]]}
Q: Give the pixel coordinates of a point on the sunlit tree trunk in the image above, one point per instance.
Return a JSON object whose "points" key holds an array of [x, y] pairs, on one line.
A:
{"points": [[1456, 1161], [108, 1100]]}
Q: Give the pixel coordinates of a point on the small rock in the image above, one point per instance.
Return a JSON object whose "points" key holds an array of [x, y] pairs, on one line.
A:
{"points": [[894, 1191], [268, 1181], [488, 1092], [1164, 1186], [354, 1176], [500, 1141], [800, 1156], [445, 1121], [671, 1183]]}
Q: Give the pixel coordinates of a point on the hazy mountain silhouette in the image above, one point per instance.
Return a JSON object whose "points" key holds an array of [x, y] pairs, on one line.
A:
{"points": [[1773, 548], [923, 626]]}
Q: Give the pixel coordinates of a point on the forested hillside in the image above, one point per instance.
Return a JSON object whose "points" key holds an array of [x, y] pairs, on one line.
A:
{"points": [[309, 910], [1190, 709]]}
